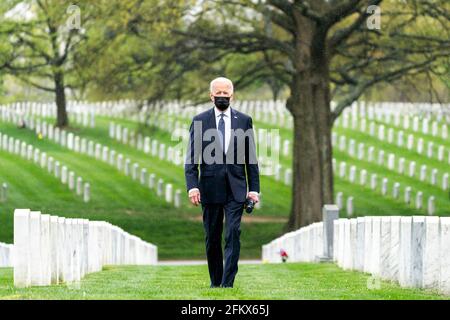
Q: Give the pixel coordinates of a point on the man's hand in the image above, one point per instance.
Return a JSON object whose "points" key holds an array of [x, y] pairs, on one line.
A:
{"points": [[194, 196], [254, 196]]}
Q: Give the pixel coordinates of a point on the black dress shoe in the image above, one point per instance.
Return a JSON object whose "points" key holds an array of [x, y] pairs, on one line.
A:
{"points": [[212, 286], [224, 286]]}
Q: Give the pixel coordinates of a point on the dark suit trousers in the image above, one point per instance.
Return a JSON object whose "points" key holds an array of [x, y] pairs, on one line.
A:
{"points": [[213, 223]]}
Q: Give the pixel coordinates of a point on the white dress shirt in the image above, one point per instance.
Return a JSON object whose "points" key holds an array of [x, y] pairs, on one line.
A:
{"points": [[227, 120]]}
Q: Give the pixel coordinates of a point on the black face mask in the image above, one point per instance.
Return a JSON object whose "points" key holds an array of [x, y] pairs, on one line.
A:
{"points": [[222, 103]]}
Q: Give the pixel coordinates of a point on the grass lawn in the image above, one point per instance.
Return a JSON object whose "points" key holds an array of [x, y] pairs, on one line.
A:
{"points": [[267, 281]]}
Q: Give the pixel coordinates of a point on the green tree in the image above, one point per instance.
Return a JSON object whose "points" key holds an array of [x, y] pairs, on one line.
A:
{"points": [[325, 50], [44, 35]]}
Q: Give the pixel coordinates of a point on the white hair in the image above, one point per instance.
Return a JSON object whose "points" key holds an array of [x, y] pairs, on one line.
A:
{"points": [[221, 79]]}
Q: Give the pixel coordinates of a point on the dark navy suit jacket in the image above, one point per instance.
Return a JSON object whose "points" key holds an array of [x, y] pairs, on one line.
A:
{"points": [[239, 164]]}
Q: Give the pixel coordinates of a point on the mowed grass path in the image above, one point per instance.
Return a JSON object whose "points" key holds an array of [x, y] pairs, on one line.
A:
{"points": [[267, 281]]}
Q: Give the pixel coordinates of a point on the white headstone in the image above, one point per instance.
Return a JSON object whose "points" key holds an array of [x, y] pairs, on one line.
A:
{"points": [[64, 175], [340, 200], [360, 151], [169, 193], [401, 165], [423, 172], [408, 195], [370, 154], [71, 180], [349, 206], [434, 174], [441, 151], [390, 135], [363, 177], [400, 138], [143, 176], [444, 248], [384, 186], [79, 190], [159, 189], [120, 162], [135, 172], [420, 146], [22, 248], [36, 268], [405, 262], [352, 175], [431, 206], [444, 131], [412, 168], [381, 132], [342, 169], [147, 145], [127, 167], [381, 157], [445, 182], [373, 181], [396, 190], [410, 142], [419, 197], [87, 192], [391, 161], [430, 150]]}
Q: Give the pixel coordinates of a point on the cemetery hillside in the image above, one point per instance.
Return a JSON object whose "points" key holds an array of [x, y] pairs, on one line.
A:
{"points": [[112, 164], [345, 105]]}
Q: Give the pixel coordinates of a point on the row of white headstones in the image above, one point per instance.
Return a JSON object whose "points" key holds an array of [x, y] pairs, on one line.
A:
{"points": [[439, 155], [165, 121], [51, 250], [62, 172], [277, 169], [412, 251], [99, 152], [155, 148], [176, 108], [166, 125], [363, 177], [77, 113], [271, 112], [269, 165], [288, 173], [406, 120], [115, 131], [391, 163], [342, 173]]}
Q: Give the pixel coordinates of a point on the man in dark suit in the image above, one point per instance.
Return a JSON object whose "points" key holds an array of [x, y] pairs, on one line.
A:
{"points": [[222, 144]]}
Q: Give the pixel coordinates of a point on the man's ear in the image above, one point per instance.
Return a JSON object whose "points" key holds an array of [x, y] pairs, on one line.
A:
{"points": [[232, 97], [212, 97]]}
